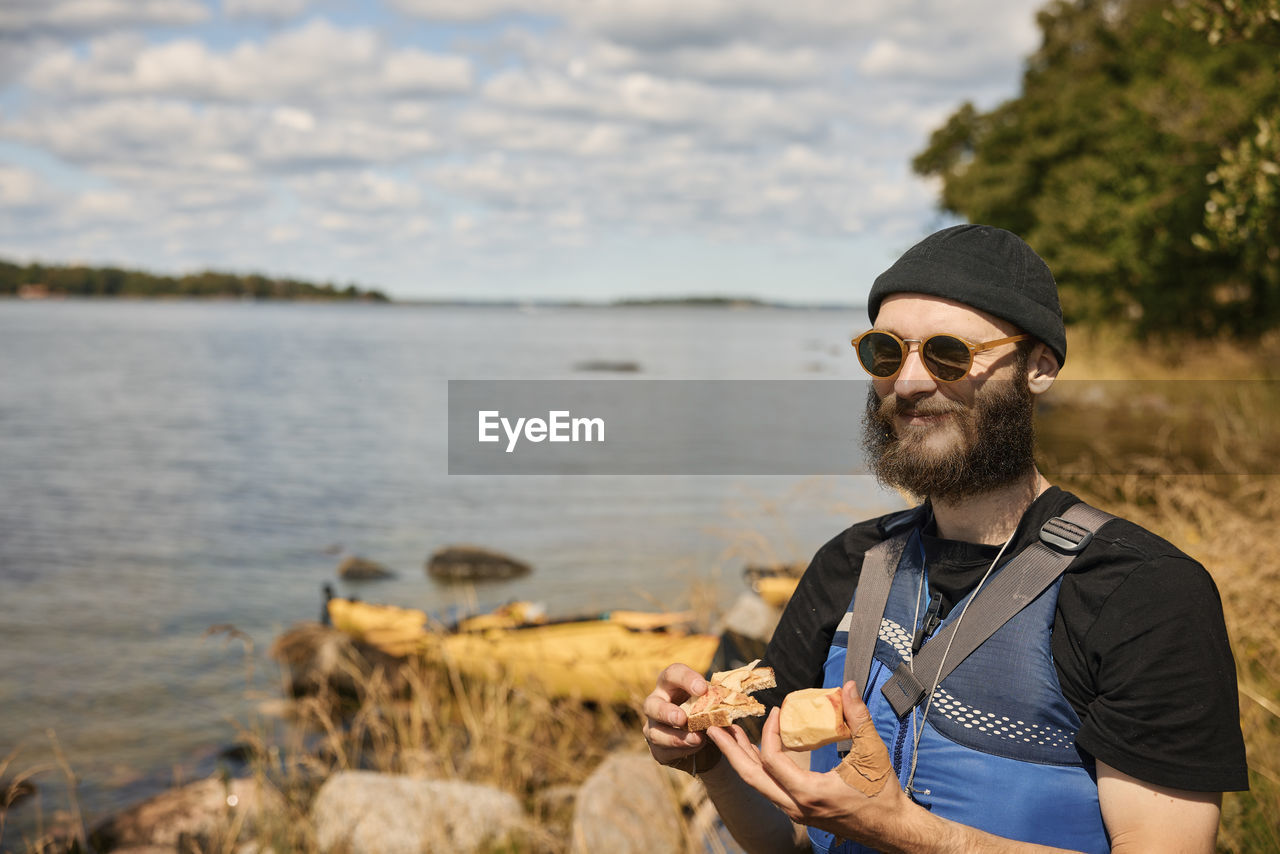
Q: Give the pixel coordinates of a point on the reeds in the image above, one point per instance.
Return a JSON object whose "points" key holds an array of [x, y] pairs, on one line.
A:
{"points": [[1216, 496], [1228, 525], [424, 718]]}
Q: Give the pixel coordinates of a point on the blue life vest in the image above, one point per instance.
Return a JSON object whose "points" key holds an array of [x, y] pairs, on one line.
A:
{"points": [[997, 749]]}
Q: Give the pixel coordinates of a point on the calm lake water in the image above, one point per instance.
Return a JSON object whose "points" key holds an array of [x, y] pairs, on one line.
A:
{"points": [[168, 467]]}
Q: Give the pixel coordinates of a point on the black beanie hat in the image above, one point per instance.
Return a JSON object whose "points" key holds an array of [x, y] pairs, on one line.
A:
{"points": [[985, 267]]}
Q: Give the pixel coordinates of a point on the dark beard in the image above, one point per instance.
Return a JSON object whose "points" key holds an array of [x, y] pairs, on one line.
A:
{"points": [[996, 446]]}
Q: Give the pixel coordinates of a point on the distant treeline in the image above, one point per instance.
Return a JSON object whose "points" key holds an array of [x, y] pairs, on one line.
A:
{"points": [[45, 280], [709, 301]]}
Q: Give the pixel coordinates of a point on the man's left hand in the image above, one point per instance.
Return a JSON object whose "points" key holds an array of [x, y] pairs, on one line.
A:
{"points": [[860, 799]]}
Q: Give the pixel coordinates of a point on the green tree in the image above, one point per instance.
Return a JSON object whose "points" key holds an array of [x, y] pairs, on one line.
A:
{"points": [[1231, 20], [1242, 215], [1101, 163], [11, 277]]}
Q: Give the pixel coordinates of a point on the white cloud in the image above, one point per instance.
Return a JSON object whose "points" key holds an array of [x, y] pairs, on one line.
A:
{"points": [[17, 54], [21, 188], [279, 234], [294, 119], [670, 22], [312, 63], [708, 22], [490, 128], [106, 205], [736, 63], [415, 71], [742, 62], [666, 25], [78, 17], [737, 115], [479, 10], [273, 10], [211, 153], [506, 184], [798, 190], [887, 57], [365, 210], [351, 143], [364, 192], [135, 132]]}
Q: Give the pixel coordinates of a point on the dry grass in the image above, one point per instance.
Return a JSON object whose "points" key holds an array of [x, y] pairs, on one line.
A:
{"points": [[425, 719], [1105, 354], [1213, 488], [1227, 523]]}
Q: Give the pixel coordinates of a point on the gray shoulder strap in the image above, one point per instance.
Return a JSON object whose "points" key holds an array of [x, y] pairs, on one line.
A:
{"points": [[879, 564], [878, 567], [1022, 579]]}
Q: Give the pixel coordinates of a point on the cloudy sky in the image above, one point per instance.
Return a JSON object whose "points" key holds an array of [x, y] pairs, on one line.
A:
{"points": [[491, 148]]}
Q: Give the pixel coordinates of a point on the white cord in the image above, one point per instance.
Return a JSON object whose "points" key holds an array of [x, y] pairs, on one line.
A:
{"points": [[915, 621], [928, 700], [911, 661]]}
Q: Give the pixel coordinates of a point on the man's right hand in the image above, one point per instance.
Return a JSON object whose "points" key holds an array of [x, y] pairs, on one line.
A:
{"points": [[666, 726]]}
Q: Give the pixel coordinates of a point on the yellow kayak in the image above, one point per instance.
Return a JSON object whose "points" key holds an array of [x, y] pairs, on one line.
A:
{"points": [[776, 591], [615, 657]]}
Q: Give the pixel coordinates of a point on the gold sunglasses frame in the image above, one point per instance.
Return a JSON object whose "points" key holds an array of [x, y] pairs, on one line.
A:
{"points": [[903, 344]]}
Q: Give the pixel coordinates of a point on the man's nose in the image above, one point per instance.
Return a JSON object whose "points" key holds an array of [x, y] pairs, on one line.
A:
{"points": [[913, 379]]}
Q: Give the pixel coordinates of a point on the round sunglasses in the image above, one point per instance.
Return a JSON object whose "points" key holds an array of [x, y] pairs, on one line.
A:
{"points": [[947, 358]]}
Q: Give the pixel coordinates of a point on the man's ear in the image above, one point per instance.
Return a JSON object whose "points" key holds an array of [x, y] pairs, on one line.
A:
{"points": [[1042, 369]]}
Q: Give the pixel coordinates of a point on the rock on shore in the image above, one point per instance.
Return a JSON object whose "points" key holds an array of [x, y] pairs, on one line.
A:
{"points": [[628, 806], [354, 568], [201, 813], [363, 812], [472, 563]]}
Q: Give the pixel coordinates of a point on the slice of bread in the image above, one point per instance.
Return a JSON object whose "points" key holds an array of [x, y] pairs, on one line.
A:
{"points": [[726, 698]]}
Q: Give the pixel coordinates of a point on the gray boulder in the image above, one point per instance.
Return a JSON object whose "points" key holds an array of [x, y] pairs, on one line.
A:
{"points": [[752, 617], [472, 563], [355, 568], [628, 806], [615, 366], [364, 812], [203, 812]]}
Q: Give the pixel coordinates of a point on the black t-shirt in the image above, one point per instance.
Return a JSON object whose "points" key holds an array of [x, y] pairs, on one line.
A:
{"points": [[1139, 643]]}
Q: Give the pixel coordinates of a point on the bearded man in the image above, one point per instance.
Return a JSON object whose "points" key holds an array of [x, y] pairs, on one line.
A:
{"points": [[1096, 713]]}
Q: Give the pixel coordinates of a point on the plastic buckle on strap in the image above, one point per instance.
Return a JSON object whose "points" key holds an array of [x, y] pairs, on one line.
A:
{"points": [[1062, 536], [903, 691]]}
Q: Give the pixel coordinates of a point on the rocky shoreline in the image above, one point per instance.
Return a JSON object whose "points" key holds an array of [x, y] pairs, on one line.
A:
{"points": [[628, 804], [347, 786]]}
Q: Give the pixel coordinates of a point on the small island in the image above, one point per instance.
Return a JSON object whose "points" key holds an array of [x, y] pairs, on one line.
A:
{"points": [[56, 281]]}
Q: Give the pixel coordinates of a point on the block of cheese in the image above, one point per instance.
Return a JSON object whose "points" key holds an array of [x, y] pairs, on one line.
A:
{"points": [[812, 717]]}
